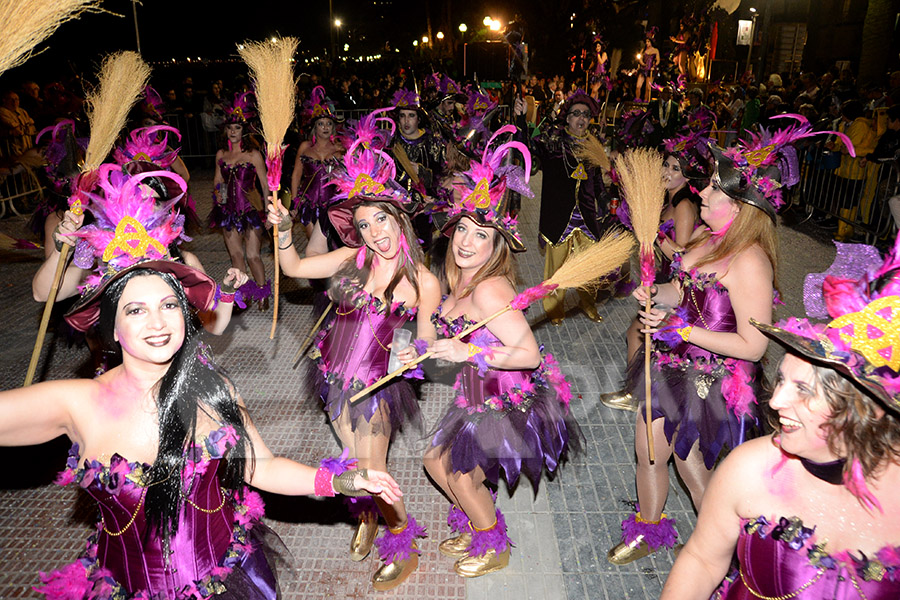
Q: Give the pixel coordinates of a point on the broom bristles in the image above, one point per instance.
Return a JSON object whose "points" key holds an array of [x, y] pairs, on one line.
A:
{"points": [[640, 175], [587, 268], [590, 150], [122, 79], [273, 75], [26, 23]]}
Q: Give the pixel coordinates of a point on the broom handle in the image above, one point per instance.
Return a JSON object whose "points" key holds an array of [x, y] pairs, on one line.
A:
{"points": [[413, 363], [312, 332], [45, 319], [647, 386], [277, 272]]}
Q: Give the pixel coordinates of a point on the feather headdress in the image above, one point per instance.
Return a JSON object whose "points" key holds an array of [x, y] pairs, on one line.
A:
{"points": [[152, 105], [366, 133], [131, 230], [241, 110], [64, 152], [484, 186], [692, 151], [405, 99], [756, 170], [318, 106], [144, 144]]}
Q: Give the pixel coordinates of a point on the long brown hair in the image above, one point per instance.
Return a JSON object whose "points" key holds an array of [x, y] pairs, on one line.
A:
{"points": [[750, 227], [249, 143], [406, 267], [500, 264]]}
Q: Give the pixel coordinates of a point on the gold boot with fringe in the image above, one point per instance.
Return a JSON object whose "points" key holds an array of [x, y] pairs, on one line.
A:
{"points": [[395, 542], [364, 536]]}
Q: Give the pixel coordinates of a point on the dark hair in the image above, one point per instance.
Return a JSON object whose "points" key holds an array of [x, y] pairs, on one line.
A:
{"points": [[189, 382], [857, 428], [249, 143], [500, 264], [852, 109], [405, 268]]}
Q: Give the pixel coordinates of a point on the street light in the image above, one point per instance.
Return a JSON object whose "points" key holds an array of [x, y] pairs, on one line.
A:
{"points": [[487, 21], [495, 25], [440, 35], [415, 42], [463, 28], [424, 39], [337, 23]]}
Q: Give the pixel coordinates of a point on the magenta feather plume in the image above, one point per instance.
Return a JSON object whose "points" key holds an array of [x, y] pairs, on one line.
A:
{"points": [[142, 144], [369, 134], [531, 295], [648, 267], [274, 162], [855, 482]]}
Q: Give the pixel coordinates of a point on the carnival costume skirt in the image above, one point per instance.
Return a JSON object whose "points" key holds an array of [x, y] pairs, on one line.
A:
{"points": [[520, 432], [384, 412], [700, 401], [221, 217]]}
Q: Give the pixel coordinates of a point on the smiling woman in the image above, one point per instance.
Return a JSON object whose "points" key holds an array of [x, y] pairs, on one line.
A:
{"points": [[811, 509], [163, 442]]}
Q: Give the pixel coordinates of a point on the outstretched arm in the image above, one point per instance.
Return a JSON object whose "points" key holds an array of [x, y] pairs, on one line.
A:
{"points": [[72, 276], [315, 267]]}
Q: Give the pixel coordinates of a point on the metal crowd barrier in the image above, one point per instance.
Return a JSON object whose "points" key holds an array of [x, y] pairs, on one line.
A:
{"points": [[17, 183], [857, 196]]}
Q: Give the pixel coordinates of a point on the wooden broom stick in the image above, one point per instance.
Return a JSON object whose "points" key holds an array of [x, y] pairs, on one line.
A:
{"points": [[584, 269], [640, 174], [122, 79], [272, 68], [312, 333]]}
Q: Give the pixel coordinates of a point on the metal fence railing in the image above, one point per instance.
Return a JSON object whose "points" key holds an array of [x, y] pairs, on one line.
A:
{"points": [[857, 196]]}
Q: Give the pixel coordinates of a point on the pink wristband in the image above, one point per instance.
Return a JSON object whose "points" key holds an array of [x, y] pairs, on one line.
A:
{"points": [[229, 298], [323, 485]]}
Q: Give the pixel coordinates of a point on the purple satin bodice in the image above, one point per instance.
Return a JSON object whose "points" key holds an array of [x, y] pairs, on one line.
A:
{"points": [[778, 559], [212, 538], [240, 180], [706, 304], [478, 384], [355, 347], [313, 192]]}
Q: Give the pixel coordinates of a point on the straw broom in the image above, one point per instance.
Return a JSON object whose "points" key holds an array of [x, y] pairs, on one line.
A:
{"points": [[312, 333], [26, 23], [642, 185], [584, 269], [122, 79], [590, 150], [272, 70]]}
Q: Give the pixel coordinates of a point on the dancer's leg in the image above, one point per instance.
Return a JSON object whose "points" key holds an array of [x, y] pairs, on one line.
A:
{"points": [[234, 245], [695, 475], [253, 238], [652, 479]]}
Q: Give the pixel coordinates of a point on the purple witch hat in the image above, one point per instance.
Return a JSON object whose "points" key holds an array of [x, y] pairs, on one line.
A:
{"points": [[483, 190], [692, 151], [64, 153], [145, 145]]}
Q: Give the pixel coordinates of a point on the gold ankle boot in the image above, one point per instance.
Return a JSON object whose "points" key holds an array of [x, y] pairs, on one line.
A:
{"points": [[590, 311], [456, 547], [622, 553], [620, 400], [389, 576], [476, 566], [361, 542]]}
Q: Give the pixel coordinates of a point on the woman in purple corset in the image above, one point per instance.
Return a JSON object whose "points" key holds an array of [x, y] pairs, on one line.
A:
{"points": [[685, 169], [511, 410], [163, 442], [379, 284], [237, 205], [316, 158], [810, 512], [705, 363], [648, 63]]}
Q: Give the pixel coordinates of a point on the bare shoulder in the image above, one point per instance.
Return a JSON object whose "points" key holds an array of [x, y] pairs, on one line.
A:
{"points": [[493, 294], [751, 265], [427, 280], [304, 147]]}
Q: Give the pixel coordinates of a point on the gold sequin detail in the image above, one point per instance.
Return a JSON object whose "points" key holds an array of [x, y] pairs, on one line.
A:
{"points": [[364, 182], [130, 230], [481, 195], [870, 347], [579, 172]]}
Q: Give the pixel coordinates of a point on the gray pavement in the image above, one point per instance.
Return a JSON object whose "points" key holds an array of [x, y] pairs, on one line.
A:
{"points": [[561, 534]]}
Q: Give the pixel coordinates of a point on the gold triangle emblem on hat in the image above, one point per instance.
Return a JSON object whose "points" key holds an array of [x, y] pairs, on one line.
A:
{"points": [[481, 195], [128, 231], [579, 172]]}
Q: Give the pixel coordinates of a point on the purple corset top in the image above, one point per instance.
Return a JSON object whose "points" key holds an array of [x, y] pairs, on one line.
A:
{"points": [[480, 386], [135, 558], [240, 180], [706, 304], [778, 557], [355, 347]]}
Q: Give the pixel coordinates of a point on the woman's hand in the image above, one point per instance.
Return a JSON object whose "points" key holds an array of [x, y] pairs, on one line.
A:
{"points": [[379, 484], [277, 213], [450, 349], [641, 294], [234, 278], [651, 319], [519, 106], [407, 355], [69, 225]]}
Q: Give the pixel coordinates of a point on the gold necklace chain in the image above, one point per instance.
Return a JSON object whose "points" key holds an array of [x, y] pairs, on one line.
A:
{"points": [[794, 594], [697, 306], [344, 314], [375, 335], [130, 521], [207, 511]]}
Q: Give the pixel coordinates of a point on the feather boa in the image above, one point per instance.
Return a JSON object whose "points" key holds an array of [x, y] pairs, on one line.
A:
{"points": [[655, 535], [494, 538], [457, 519]]}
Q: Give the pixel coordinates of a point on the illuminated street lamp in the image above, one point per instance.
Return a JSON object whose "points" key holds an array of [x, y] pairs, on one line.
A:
{"points": [[495, 25], [440, 35], [424, 39], [415, 42], [487, 21], [463, 28], [337, 23]]}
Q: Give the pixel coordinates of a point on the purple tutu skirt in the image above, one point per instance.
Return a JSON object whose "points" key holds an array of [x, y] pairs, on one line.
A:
{"points": [[221, 217], [386, 411], [690, 397], [520, 440]]}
